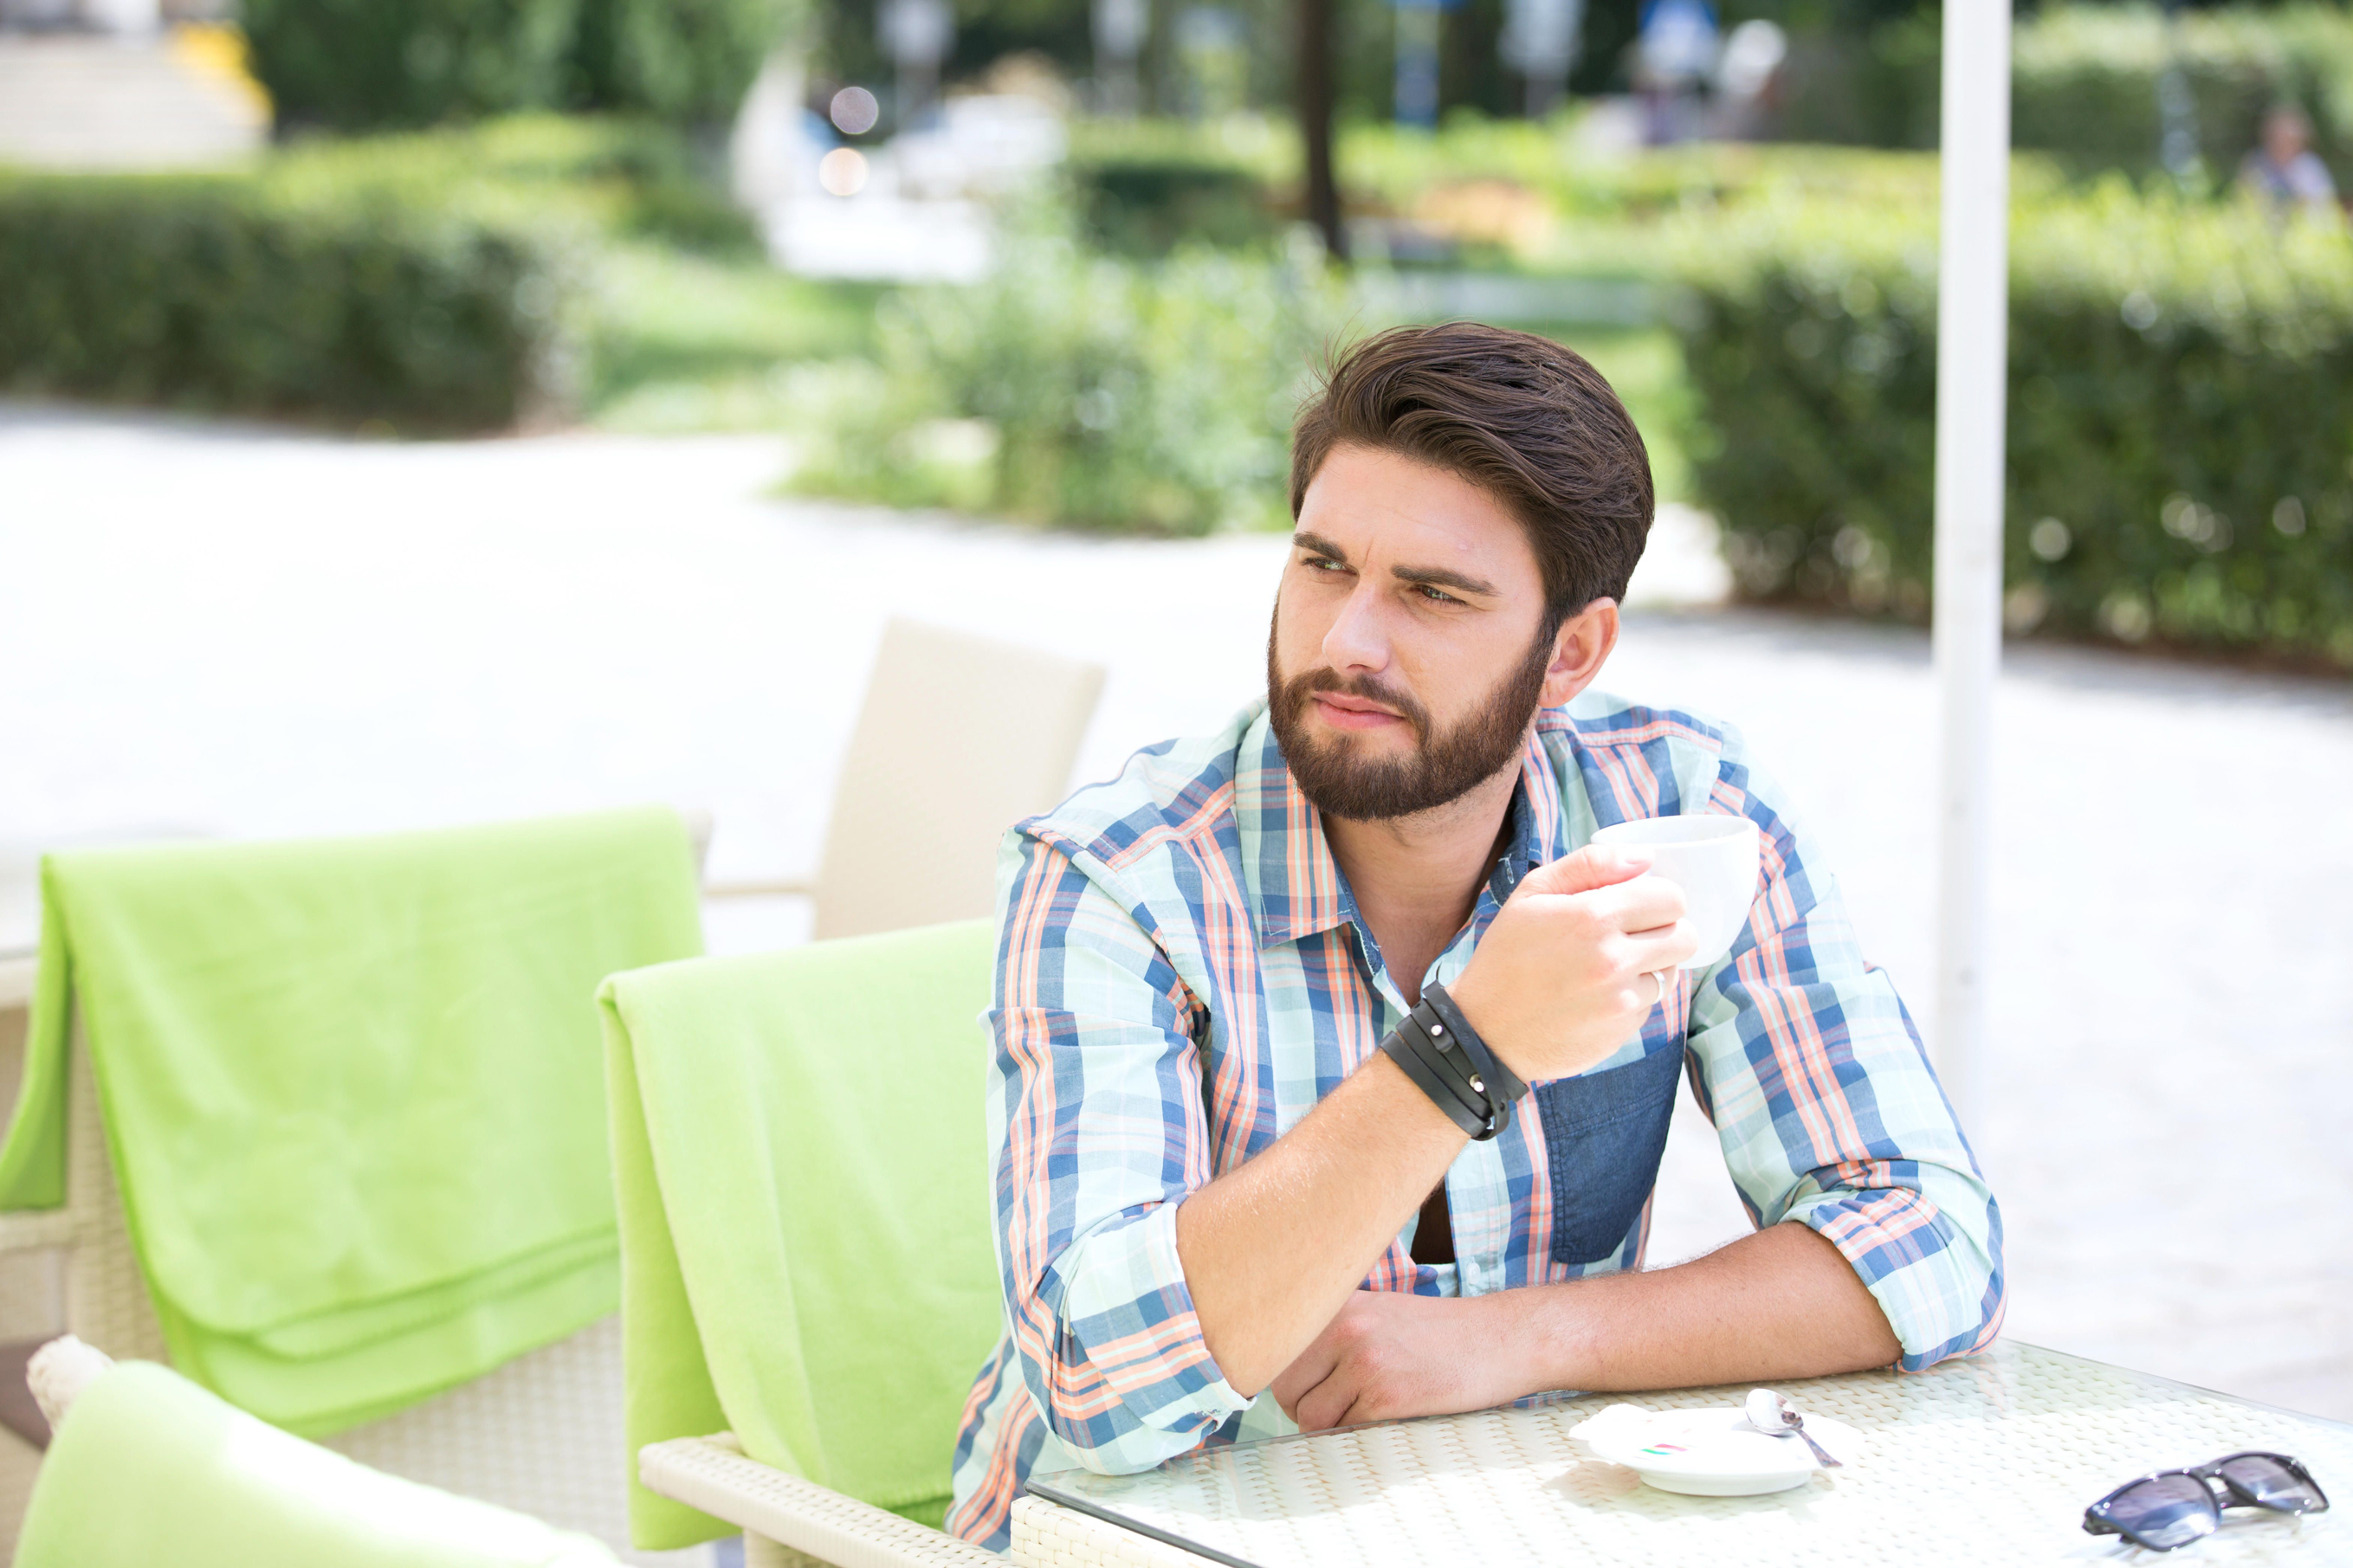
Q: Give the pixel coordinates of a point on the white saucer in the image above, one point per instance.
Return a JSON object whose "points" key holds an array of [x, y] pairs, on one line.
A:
{"points": [[1711, 1452]]}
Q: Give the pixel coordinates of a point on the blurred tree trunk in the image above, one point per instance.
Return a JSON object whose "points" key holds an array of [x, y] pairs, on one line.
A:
{"points": [[1314, 98]]}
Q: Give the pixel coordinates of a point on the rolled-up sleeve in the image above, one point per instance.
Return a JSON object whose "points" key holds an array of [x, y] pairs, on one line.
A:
{"points": [[1826, 1105], [1099, 1131]]}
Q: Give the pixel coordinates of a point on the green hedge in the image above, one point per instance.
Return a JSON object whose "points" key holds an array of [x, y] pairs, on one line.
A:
{"points": [[233, 293], [365, 65], [1142, 187], [358, 65], [2086, 82], [2181, 415], [621, 177], [686, 61], [2083, 82]]}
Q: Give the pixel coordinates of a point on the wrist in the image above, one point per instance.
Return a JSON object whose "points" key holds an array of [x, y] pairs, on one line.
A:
{"points": [[1483, 1011], [1418, 1114], [1551, 1340]]}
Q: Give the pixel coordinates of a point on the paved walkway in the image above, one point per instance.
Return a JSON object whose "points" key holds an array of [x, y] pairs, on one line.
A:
{"points": [[252, 632]]}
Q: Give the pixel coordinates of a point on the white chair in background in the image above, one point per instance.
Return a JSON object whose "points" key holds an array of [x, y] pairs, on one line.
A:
{"points": [[960, 737]]}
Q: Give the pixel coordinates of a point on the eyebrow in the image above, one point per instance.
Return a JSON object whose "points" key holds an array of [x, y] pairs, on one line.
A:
{"points": [[1431, 576]]}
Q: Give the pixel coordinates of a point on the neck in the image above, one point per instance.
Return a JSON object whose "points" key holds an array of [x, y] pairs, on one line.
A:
{"points": [[1416, 878]]}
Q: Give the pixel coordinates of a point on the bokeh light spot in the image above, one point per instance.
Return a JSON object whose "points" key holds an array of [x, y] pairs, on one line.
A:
{"points": [[842, 171], [854, 110]]}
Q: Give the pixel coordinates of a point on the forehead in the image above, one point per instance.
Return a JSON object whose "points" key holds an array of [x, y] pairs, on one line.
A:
{"points": [[1386, 509]]}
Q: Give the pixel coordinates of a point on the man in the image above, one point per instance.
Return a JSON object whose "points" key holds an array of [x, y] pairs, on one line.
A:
{"points": [[2283, 172], [1232, 1190]]}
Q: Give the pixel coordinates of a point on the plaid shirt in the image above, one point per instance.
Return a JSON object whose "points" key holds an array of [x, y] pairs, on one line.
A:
{"points": [[1182, 974]]}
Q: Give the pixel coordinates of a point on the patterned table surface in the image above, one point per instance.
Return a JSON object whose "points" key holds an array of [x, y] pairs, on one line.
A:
{"points": [[1989, 1460]]}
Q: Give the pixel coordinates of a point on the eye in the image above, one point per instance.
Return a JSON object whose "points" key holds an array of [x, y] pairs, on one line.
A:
{"points": [[1322, 563], [1435, 596]]}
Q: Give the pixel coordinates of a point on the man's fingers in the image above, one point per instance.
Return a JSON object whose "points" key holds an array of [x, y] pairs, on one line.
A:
{"points": [[1327, 1403], [1592, 866], [1645, 904], [1311, 1367], [1668, 947]]}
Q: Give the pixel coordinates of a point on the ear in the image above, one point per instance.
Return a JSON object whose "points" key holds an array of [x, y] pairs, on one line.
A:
{"points": [[1580, 650]]}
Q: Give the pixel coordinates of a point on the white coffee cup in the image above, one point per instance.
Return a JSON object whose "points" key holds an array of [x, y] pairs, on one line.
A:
{"points": [[1713, 859]]}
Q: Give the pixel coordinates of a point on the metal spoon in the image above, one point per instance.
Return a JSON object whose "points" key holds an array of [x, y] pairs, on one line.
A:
{"points": [[1769, 1412]]}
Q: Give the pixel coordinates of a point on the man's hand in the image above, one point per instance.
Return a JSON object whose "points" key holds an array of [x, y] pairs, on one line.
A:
{"points": [[1563, 977], [1389, 1354], [1778, 1305]]}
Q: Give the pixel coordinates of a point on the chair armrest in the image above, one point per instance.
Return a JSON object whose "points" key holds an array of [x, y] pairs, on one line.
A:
{"points": [[712, 1474]]}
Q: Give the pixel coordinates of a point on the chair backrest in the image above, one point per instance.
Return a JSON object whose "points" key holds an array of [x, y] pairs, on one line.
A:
{"points": [[543, 1434], [960, 738], [800, 1152], [147, 1468]]}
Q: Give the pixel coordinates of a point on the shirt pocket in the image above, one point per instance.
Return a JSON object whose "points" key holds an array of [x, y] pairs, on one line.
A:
{"points": [[1604, 1134]]}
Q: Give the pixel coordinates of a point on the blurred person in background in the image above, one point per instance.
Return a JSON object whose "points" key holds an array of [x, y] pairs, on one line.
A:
{"points": [[2284, 170], [1675, 51]]}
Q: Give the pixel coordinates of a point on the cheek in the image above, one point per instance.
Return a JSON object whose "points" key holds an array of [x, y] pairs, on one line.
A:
{"points": [[1301, 623]]}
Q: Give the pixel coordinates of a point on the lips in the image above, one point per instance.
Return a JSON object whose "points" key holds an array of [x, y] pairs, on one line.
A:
{"points": [[1353, 712]]}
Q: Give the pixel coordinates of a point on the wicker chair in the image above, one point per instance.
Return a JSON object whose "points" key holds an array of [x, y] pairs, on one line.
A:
{"points": [[542, 1435], [868, 1232], [959, 737]]}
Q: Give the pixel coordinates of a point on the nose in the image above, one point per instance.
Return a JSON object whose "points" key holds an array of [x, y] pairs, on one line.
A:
{"points": [[1358, 642]]}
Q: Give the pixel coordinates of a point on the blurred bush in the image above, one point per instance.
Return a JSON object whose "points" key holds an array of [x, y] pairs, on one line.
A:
{"points": [[2086, 81], [444, 279], [1144, 186], [234, 293], [685, 61], [357, 64], [2083, 82], [365, 65], [2180, 414], [1081, 391], [628, 178]]}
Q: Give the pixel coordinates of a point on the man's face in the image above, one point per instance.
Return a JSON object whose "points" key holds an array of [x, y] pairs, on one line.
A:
{"points": [[2285, 137], [1405, 663]]}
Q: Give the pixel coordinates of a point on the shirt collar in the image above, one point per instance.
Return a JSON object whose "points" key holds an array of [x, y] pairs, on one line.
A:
{"points": [[1294, 885]]}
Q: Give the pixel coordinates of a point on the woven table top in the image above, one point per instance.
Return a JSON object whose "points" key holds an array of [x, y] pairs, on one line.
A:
{"points": [[1989, 1460]]}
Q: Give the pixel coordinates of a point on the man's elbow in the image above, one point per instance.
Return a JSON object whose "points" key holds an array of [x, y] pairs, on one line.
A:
{"points": [[1972, 1333], [1098, 1430]]}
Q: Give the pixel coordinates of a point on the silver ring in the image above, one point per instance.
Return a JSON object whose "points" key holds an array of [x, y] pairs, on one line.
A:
{"points": [[1661, 976]]}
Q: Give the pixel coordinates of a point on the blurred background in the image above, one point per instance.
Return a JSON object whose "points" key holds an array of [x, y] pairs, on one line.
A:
{"points": [[436, 410]]}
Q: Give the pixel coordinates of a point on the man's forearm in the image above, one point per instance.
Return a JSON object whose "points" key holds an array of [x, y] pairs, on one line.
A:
{"points": [[1783, 1303], [1271, 1250]]}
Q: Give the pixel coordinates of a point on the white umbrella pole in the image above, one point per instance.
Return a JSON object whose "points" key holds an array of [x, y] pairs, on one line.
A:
{"points": [[1972, 362]]}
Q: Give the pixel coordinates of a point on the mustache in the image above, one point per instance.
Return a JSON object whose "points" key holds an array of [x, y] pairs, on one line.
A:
{"points": [[1301, 687]]}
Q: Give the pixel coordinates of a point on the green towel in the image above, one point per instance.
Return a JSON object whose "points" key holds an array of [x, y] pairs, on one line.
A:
{"points": [[800, 1153], [147, 1469], [352, 1091]]}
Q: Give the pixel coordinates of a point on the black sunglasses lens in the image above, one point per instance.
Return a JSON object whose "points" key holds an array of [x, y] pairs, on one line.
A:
{"points": [[2271, 1484], [2165, 1511]]}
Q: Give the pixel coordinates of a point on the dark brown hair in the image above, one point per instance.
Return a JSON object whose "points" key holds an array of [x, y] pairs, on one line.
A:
{"points": [[1518, 416]]}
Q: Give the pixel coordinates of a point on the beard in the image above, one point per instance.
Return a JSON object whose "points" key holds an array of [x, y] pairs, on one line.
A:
{"points": [[1442, 767]]}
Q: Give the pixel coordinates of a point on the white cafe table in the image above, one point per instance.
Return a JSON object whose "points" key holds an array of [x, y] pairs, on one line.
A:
{"points": [[1989, 1460]]}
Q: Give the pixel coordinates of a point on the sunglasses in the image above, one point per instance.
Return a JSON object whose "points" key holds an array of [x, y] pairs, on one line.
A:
{"points": [[2174, 1508]]}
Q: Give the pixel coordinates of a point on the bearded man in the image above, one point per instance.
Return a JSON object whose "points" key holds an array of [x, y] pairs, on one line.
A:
{"points": [[1231, 1200]]}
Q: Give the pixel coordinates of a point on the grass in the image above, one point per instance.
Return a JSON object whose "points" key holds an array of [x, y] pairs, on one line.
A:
{"points": [[688, 342]]}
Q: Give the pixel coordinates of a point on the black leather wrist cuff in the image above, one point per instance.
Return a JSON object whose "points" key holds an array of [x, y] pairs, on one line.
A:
{"points": [[1422, 1039], [1403, 1046], [1502, 1085]]}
